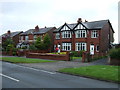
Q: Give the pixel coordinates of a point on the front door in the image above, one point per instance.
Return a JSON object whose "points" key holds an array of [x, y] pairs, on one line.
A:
{"points": [[92, 49]]}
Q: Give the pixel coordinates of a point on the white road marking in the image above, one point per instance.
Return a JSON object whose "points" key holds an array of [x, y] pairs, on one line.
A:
{"points": [[48, 72], [33, 69], [9, 77]]}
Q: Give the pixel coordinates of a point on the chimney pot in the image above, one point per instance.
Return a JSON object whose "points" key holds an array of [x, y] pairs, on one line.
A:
{"points": [[79, 20], [86, 21], [9, 32], [37, 28]]}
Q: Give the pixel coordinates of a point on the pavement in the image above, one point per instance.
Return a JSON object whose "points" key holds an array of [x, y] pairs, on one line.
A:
{"points": [[55, 66]]}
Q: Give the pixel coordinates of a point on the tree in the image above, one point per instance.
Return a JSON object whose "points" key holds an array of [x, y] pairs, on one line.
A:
{"points": [[46, 42], [7, 43], [38, 44]]}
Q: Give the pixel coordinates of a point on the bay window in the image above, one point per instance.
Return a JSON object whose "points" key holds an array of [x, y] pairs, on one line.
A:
{"points": [[66, 46], [80, 46]]}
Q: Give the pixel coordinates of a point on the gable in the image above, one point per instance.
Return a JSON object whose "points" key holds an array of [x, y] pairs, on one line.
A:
{"points": [[79, 26], [65, 28]]}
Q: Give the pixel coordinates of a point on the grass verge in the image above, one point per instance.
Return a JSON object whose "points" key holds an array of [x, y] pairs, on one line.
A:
{"points": [[101, 72], [24, 60]]}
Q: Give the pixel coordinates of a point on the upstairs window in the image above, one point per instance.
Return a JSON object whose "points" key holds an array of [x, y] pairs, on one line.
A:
{"points": [[66, 34], [80, 46], [26, 37], [66, 46], [94, 34], [80, 34], [57, 36]]}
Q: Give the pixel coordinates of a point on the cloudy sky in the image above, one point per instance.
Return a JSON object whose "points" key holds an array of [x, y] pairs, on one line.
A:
{"points": [[21, 15]]}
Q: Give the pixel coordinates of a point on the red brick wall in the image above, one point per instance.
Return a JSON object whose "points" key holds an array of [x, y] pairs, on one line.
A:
{"points": [[48, 56]]}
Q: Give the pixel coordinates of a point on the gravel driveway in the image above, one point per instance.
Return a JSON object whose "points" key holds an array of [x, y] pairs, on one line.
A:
{"points": [[55, 66]]}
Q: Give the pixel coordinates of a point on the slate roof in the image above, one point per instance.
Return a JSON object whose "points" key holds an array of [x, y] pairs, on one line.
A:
{"points": [[40, 31], [88, 25], [12, 34], [95, 24]]}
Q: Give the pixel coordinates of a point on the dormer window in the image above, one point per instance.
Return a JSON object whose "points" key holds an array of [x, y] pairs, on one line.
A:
{"points": [[94, 34]]}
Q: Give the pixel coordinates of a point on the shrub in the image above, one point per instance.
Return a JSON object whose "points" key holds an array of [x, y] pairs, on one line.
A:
{"points": [[32, 47], [115, 53], [77, 54], [80, 53]]}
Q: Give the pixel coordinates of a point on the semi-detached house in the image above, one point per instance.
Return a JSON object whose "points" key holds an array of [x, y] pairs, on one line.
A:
{"points": [[29, 37], [94, 37]]}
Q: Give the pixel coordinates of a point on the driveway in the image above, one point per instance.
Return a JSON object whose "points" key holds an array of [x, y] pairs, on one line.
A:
{"points": [[55, 66]]}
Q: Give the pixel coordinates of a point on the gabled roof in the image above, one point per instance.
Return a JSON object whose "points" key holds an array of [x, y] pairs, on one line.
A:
{"points": [[40, 31], [12, 34], [88, 25]]}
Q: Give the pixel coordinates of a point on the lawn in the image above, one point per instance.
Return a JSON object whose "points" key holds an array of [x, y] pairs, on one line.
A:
{"points": [[24, 60], [77, 58], [102, 72]]}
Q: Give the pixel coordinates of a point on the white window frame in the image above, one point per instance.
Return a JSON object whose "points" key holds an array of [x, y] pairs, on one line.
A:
{"points": [[26, 38], [81, 34], [94, 34], [57, 35], [66, 46], [66, 34], [81, 46]]}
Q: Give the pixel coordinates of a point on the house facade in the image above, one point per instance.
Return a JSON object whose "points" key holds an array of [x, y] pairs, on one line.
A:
{"points": [[13, 35], [31, 35], [93, 37]]}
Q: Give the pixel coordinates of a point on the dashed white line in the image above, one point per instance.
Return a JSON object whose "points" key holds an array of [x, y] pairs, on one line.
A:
{"points": [[33, 69], [9, 77]]}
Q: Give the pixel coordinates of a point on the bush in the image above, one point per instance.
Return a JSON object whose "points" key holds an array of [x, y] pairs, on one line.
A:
{"points": [[14, 51], [76, 53], [32, 47], [80, 53], [115, 53]]}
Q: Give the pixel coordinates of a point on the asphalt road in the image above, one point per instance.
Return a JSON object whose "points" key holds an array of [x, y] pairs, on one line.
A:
{"points": [[16, 76]]}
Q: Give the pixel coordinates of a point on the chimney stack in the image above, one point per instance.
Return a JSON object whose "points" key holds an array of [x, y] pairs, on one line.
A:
{"points": [[37, 28], [86, 21], [79, 20], [8, 32]]}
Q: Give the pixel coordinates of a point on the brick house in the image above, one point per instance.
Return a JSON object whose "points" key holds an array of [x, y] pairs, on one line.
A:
{"points": [[94, 37], [30, 35], [13, 35]]}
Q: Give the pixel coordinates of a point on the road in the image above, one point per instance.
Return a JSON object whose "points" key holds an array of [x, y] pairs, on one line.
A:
{"points": [[17, 76]]}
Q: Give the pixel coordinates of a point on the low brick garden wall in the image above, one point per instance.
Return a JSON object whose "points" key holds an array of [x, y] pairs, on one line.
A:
{"points": [[48, 56]]}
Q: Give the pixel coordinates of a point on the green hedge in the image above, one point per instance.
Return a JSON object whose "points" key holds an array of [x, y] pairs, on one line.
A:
{"points": [[115, 53]]}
